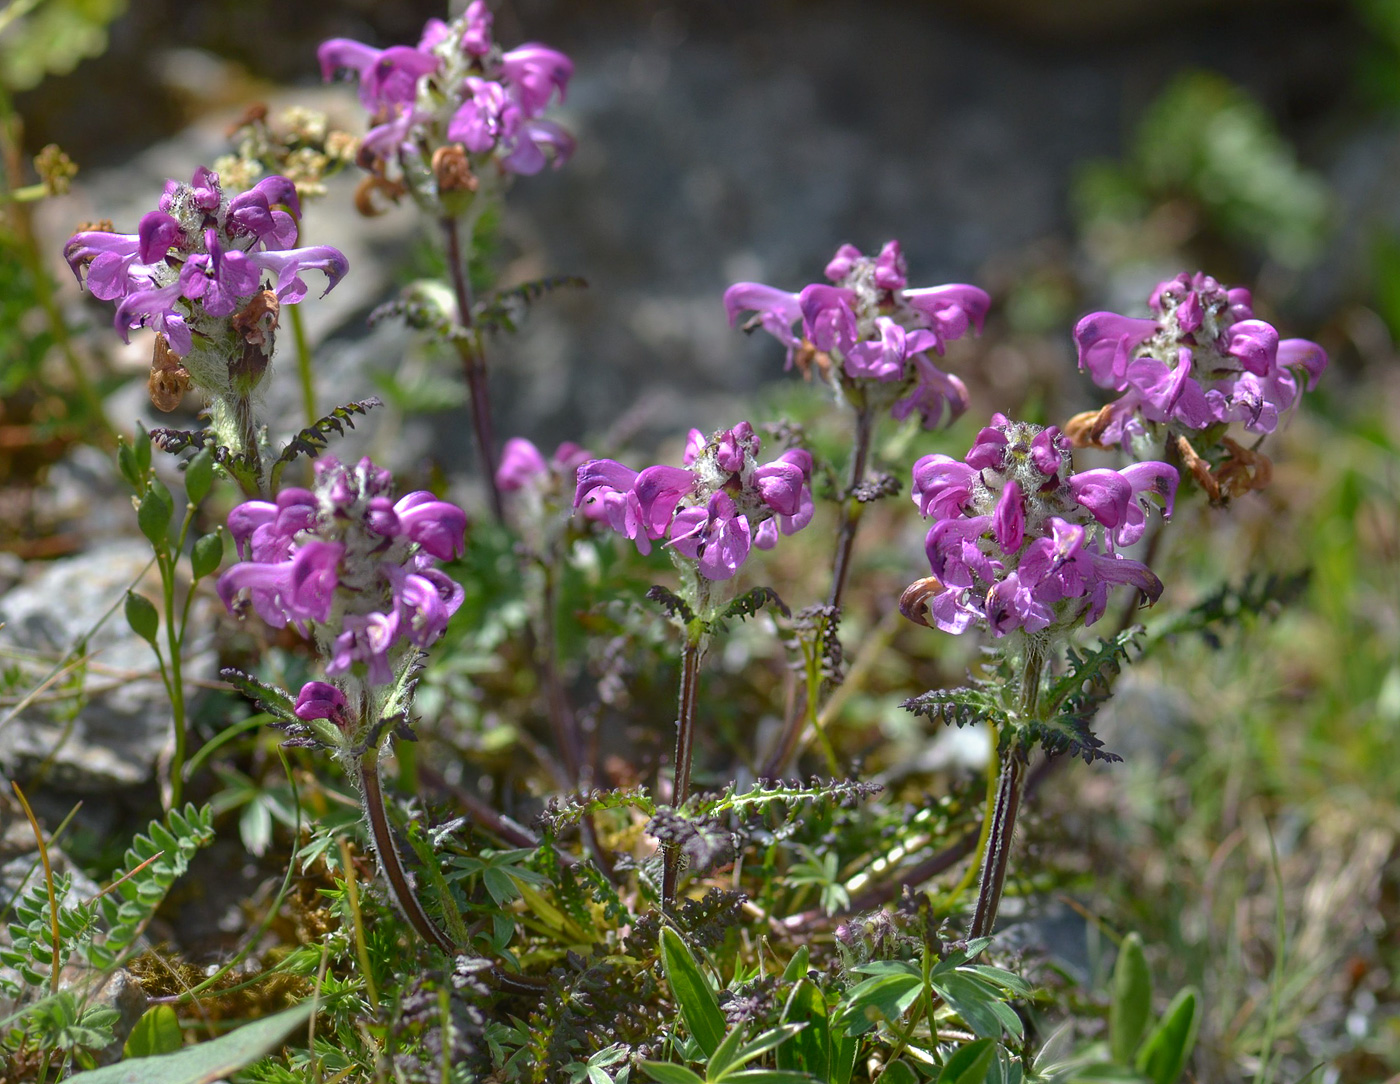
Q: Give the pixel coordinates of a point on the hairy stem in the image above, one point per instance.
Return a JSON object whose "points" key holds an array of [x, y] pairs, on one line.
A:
{"points": [[806, 710], [850, 506], [691, 656], [473, 365], [1007, 803], [386, 850]]}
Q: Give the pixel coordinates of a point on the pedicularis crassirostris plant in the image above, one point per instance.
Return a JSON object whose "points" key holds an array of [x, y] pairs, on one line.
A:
{"points": [[552, 952]]}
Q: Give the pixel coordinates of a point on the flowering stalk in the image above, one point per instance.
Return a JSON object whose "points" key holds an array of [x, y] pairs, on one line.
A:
{"points": [[455, 119], [473, 358], [354, 570], [209, 273], [711, 512], [869, 337], [692, 654]]}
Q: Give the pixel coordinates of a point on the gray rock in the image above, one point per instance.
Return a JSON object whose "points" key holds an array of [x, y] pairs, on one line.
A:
{"points": [[122, 721]]}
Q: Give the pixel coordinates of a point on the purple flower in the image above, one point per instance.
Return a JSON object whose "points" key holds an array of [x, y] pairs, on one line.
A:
{"points": [[1021, 541], [200, 259], [457, 82], [1202, 359], [350, 566], [714, 509], [872, 328], [317, 700]]}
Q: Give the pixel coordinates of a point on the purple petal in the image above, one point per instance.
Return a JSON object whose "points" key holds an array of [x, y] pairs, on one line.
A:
{"points": [[1106, 342]]}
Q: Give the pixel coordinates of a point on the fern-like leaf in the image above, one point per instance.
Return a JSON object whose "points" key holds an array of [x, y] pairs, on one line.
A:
{"points": [[30, 951], [502, 309], [676, 607], [750, 602], [129, 906], [1089, 679], [312, 440], [962, 706]]}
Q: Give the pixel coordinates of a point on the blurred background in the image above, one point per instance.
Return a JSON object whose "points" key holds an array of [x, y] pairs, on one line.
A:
{"points": [[1063, 156]]}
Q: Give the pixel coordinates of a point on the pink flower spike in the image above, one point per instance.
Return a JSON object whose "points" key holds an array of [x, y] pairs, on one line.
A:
{"points": [[1300, 353], [439, 527], [717, 537], [602, 472], [659, 489], [1105, 493], [841, 264]]}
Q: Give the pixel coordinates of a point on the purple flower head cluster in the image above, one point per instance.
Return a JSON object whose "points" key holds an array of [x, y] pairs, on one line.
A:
{"points": [[714, 509], [202, 258], [879, 332], [1201, 359], [347, 563], [458, 85], [1021, 541], [524, 469]]}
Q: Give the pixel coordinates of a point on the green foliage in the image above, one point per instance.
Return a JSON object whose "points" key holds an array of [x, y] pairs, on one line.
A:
{"points": [[31, 948], [206, 1062], [152, 864], [1131, 1005], [51, 38], [157, 1032], [502, 310], [692, 991], [1208, 140], [141, 615], [62, 1023]]}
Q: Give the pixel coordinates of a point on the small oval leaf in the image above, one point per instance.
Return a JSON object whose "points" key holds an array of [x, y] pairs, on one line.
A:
{"points": [[199, 476], [154, 512], [1132, 1000], [141, 615], [207, 555]]}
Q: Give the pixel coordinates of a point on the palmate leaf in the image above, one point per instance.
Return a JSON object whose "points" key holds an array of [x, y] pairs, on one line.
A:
{"points": [[501, 310]]}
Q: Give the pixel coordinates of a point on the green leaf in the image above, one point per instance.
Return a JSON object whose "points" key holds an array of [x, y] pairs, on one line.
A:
{"points": [[975, 1001], [141, 446], [843, 1058], [141, 615], [199, 476], [130, 468], [810, 1048], [884, 997], [207, 555], [157, 1032], [1164, 1054], [759, 1045], [969, 1064], [798, 966], [699, 1006], [269, 698], [154, 512], [667, 1073], [899, 1072], [1107, 1072], [1132, 1000], [725, 1053], [207, 1062], [769, 1076]]}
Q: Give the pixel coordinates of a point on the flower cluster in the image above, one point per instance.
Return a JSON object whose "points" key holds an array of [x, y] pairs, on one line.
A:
{"points": [[1020, 541], [349, 565], [1201, 359], [712, 510], [206, 271], [458, 87], [875, 329]]}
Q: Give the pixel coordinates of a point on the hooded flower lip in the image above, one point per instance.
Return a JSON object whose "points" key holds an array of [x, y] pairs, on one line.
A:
{"points": [[1021, 541], [348, 564], [877, 330], [458, 82], [200, 258], [713, 510], [1202, 359]]}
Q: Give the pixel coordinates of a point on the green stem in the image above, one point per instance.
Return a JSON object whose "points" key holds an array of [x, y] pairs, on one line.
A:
{"points": [[850, 507], [988, 815], [691, 655], [174, 641], [1010, 786], [473, 365], [308, 378]]}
